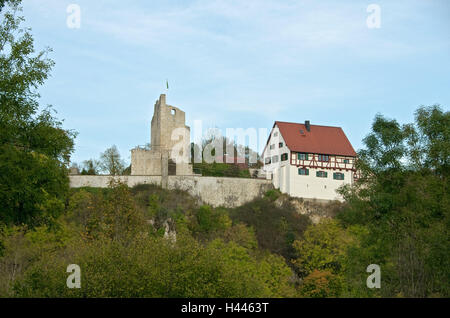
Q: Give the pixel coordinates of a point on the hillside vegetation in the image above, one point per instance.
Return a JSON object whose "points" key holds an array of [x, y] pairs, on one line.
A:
{"points": [[151, 242]]}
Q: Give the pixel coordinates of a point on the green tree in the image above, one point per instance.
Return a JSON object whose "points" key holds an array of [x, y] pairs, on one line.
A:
{"points": [[402, 199], [323, 247], [91, 167], [34, 148], [429, 141], [111, 162]]}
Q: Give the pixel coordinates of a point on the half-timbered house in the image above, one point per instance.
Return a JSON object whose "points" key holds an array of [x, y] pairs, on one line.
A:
{"points": [[309, 161]]}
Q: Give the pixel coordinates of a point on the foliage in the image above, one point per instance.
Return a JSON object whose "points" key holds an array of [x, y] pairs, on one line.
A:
{"points": [[91, 167], [34, 148], [111, 162], [276, 227], [221, 170], [320, 284], [273, 194], [402, 201], [120, 255], [323, 247]]}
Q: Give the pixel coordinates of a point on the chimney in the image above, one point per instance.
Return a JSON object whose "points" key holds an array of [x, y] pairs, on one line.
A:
{"points": [[307, 125]]}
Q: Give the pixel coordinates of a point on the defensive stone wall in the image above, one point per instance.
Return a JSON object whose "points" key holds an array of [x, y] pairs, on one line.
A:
{"points": [[215, 191]]}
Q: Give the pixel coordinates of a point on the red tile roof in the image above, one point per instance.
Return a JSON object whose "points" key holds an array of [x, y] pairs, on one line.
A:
{"points": [[320, 139]]}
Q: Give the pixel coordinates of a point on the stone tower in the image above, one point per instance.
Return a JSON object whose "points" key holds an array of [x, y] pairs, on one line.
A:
{"points": [[168, 123]]}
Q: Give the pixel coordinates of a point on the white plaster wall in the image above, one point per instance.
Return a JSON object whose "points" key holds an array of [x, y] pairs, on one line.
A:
{"points": [[313, 187], [275, 140]]}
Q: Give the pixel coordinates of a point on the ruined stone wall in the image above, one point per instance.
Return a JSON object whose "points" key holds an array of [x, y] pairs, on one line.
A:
{"points": [[167, 119], [215, 191], [145, 162]]}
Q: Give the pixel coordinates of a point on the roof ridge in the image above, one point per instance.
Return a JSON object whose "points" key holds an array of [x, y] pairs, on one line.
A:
{"points": [[320, 140], [288, 122]]}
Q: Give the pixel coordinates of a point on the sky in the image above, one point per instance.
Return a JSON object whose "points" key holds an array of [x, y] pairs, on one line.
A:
{"points": [[239, 63]]}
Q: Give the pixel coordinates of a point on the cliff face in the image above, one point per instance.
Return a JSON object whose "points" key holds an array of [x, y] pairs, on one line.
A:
{"points": [[314, 209]]}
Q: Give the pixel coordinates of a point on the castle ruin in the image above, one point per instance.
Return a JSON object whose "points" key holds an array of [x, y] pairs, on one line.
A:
{"points": [[166, 163], [170, 144]]}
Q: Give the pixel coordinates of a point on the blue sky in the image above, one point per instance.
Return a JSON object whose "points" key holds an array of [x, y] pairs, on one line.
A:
{"points": [[239, 64]]}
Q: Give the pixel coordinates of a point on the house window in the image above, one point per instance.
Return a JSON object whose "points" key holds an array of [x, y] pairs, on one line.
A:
{"points": [[346, 161], [302, 156], [338, 176], [275, 134], [275, 159], [303, 172], [322, 174], [324, 158], [272, 146], [284, 157], [173, 112], [267, 160], [280, 145]]}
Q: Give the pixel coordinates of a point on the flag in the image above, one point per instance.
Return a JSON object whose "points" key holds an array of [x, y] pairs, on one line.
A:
{"points": [[167, 84]]}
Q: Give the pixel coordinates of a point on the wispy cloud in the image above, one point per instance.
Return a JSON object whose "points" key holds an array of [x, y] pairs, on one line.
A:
{"points": [[242, 62]]}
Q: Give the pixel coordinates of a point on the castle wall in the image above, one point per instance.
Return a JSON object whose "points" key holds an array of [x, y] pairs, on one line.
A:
{"points": [[215, 191], [145, 162]]}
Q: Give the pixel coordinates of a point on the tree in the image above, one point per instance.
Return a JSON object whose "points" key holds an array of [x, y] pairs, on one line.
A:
{"points": [[111, 162], [402, 199], [430, 141], [320, 284], [34, 148], [323, 247], [3, 2], [91, 167]]}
